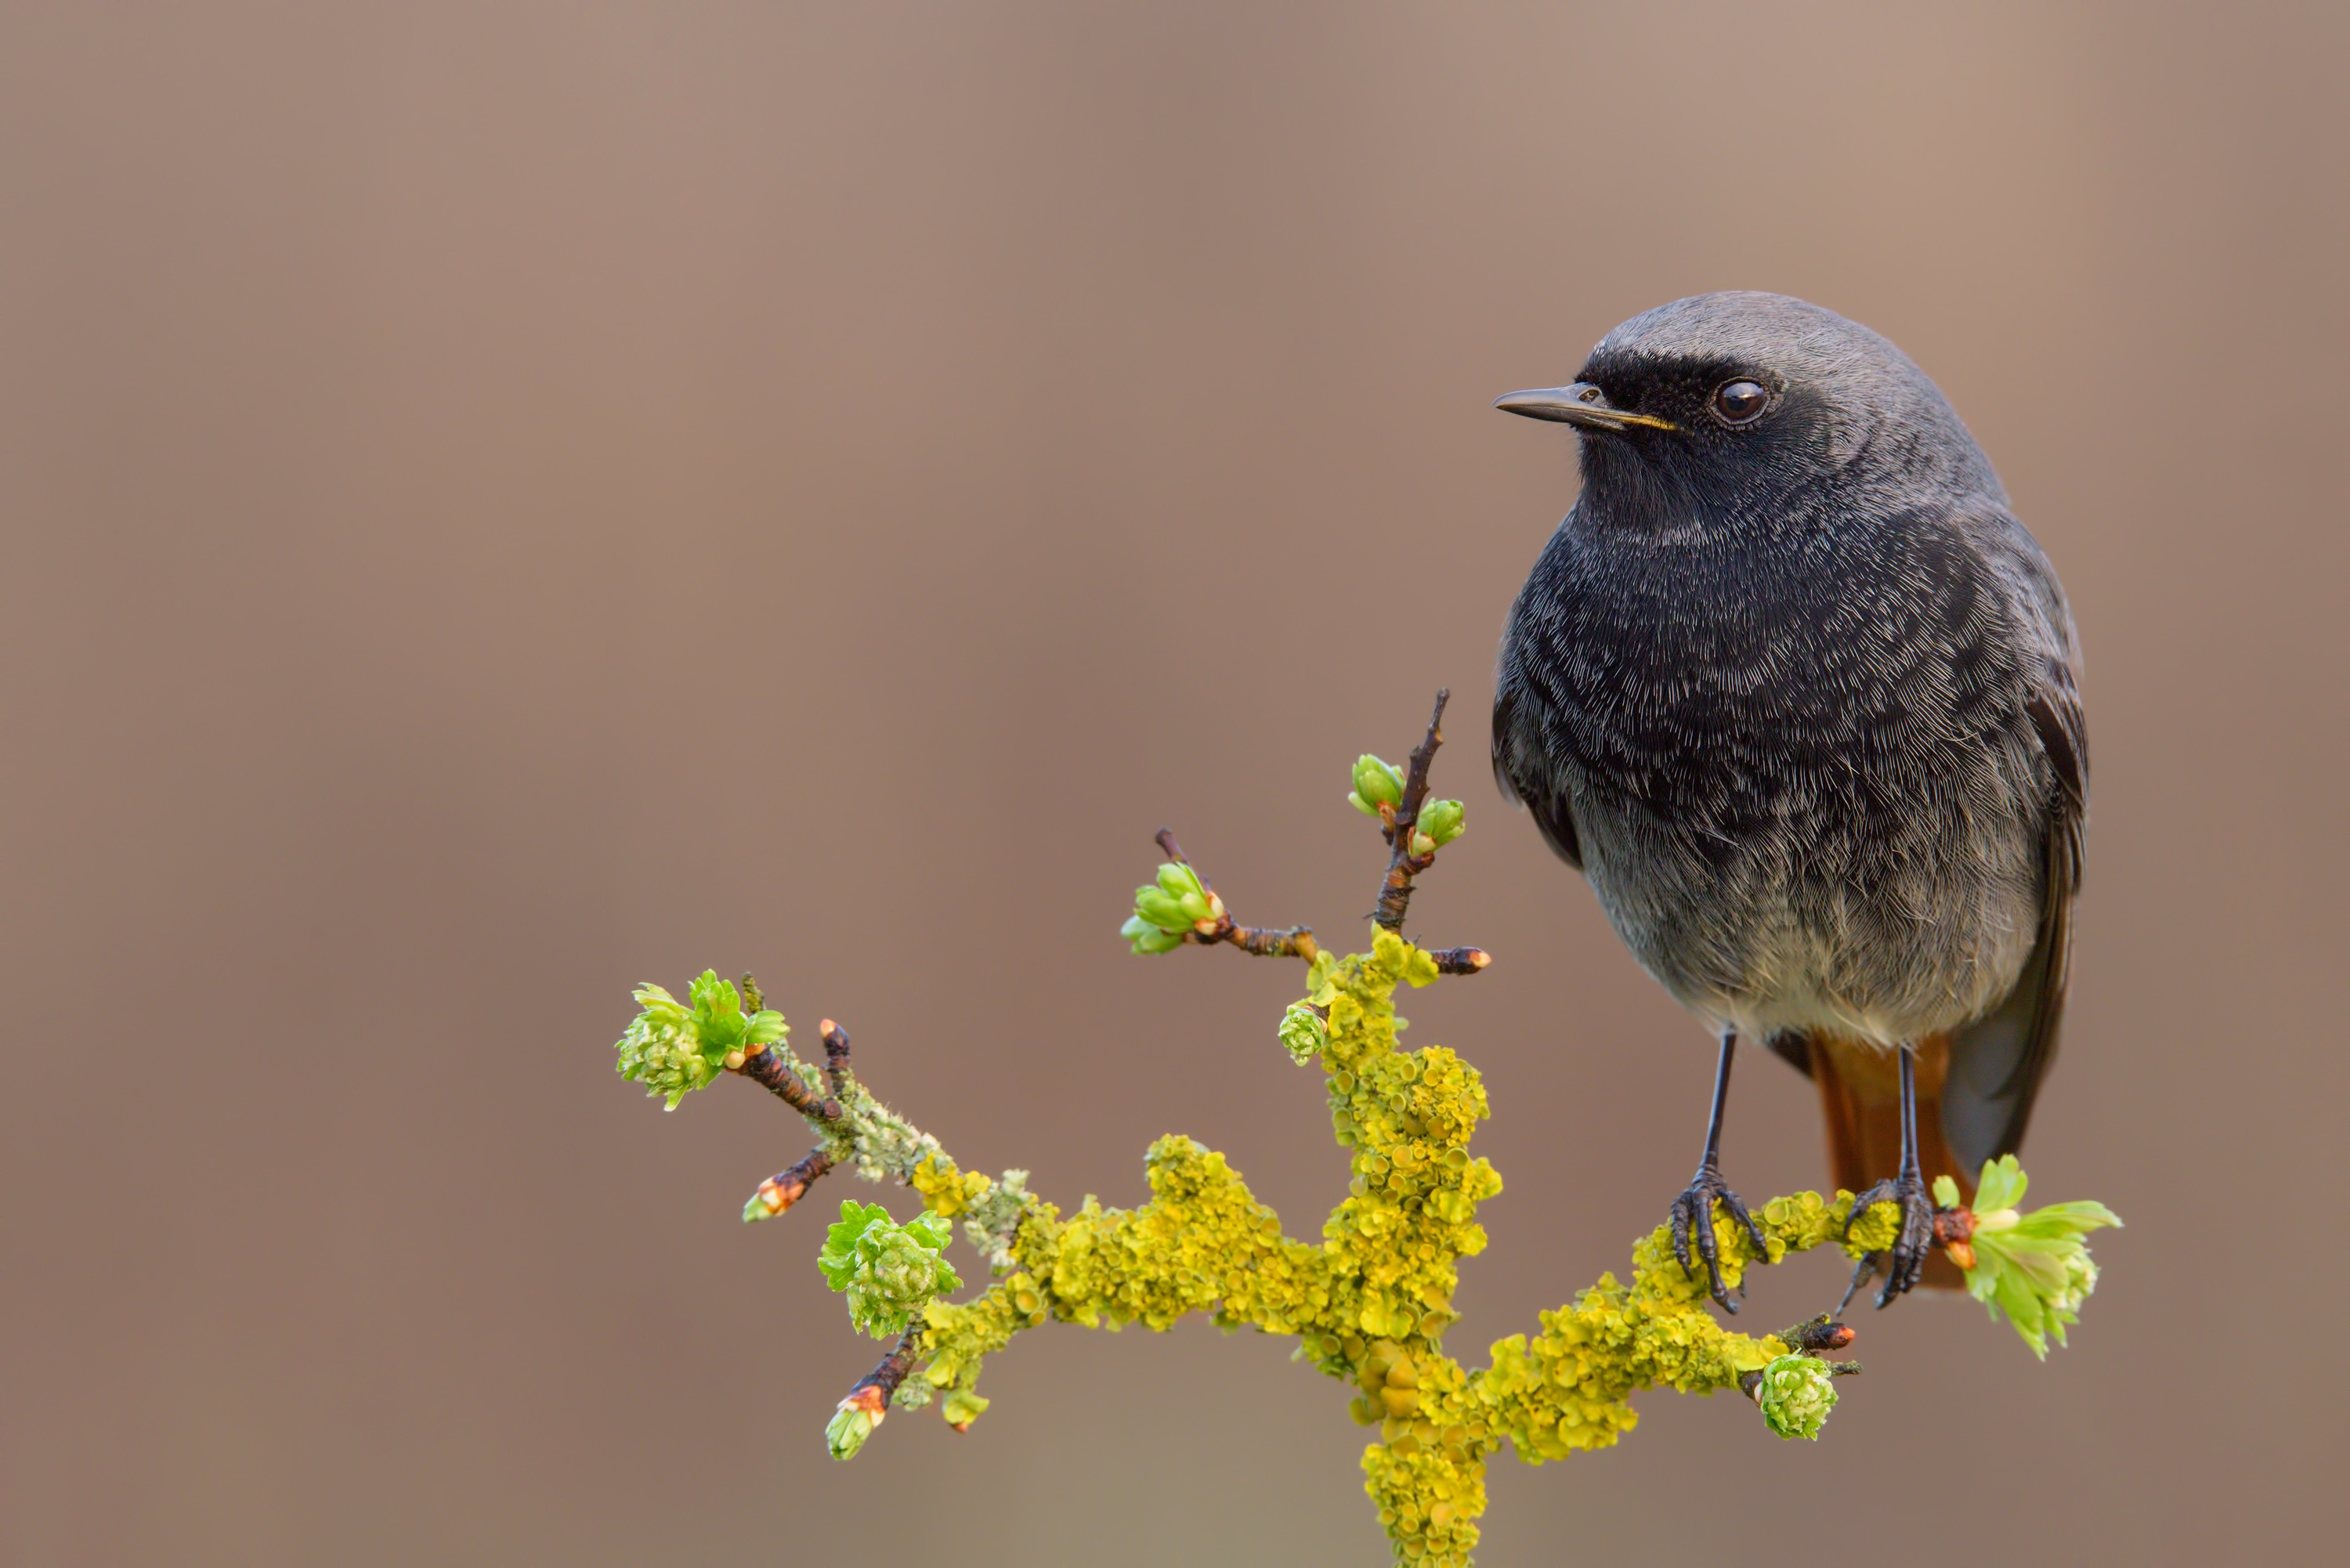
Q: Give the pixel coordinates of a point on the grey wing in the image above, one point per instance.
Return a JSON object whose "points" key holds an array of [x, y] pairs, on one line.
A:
{"points": [[1997, 1063], [1523, 781]]}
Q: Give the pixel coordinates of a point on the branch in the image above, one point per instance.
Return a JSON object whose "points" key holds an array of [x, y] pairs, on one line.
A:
{"points": [[1370, 1302]]}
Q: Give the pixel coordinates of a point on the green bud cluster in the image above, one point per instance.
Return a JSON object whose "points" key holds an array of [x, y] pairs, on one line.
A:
{"points": [[1165, 910], [850, 1427], [2034, 1267], [1796, 1394], [1377, 783], [888, 1270], [1441, 822], [675, 1048], [1303, 1032]]}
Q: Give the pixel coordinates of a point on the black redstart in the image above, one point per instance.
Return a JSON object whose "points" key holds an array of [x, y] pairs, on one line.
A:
{"points": [[1795, 690]]}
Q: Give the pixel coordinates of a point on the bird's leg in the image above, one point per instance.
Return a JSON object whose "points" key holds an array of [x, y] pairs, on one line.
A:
{"points": [[1693, 1209], [1906, 1261]]}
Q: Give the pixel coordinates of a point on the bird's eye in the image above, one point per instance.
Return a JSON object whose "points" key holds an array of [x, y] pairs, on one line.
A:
{"points": [[1740, 402]]}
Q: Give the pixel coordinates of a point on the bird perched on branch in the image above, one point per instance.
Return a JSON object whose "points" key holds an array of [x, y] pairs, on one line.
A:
{"points": [[1796, 691]]}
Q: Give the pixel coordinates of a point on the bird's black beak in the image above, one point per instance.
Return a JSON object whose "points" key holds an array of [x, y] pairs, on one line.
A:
{"points": [[1581, 405]]}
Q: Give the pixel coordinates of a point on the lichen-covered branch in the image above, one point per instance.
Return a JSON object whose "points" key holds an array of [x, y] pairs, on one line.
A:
{"points": [[1371, 1302]]}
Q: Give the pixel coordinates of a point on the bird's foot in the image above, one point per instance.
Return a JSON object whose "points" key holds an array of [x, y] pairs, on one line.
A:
{"points": [[1693, 1213], [1906, 1263]]}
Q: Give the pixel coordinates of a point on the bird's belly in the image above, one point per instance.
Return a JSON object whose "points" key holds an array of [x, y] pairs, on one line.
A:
{"points": [[1882, 926]]}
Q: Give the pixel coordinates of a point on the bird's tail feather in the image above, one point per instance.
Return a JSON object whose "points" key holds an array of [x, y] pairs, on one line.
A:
{"points": [[1860, 1092]]}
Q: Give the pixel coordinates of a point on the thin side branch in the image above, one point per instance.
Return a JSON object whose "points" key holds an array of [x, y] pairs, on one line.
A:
{"points": [[875, 1389], [785, 1187], [774, 1075], [1264, 942], [835, 1055]]}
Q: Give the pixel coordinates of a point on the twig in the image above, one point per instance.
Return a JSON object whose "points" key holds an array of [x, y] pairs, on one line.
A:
{"points": [[785, 1187], [774, 1074], [873, 1391], [1264, 942], [1459, 960], [1817, 1335], [1395, 894], [835, 1055]]}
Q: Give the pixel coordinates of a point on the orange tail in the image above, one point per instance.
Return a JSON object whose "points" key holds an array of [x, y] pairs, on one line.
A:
{"points": [[1860, 1091]]}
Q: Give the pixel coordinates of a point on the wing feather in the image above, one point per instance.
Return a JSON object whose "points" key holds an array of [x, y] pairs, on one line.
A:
{"points": [[1997, 1063]]}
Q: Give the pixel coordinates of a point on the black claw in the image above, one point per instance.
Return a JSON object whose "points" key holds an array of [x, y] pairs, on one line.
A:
{"points": [[1904, 1265], [1860, 1272], [1693, 1212]]}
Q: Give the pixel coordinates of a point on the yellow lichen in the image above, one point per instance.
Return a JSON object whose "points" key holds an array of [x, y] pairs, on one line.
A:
{"points": [[1371, 1303]]}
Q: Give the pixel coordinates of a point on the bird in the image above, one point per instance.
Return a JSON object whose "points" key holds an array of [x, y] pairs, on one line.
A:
{"points": [[1798, 693]]}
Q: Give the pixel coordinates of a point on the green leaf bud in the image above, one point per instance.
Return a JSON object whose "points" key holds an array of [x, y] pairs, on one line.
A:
{"points": [[1796, 1393], [1376, 784], [1148, 938], [1303, 1032], [673, 1048], [889, 1271], [1441, 820], [2032, 1267], [1162, 909], [850, 1427], [1177, 880]]}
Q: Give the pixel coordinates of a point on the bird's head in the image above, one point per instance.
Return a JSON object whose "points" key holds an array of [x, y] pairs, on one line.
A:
{"points": [[1742, 402]]}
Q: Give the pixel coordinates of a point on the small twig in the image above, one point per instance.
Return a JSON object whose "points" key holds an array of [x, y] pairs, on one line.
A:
{"points": [[1292, 941], [775, 1074], [1820, 1334], [835, 1055], [785, 1187], [873, 1392], [1395, 894], [1459, 960], [1264, 942]]}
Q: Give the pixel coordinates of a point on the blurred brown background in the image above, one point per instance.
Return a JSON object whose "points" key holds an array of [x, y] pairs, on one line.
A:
{"points": [[504, 502]]}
